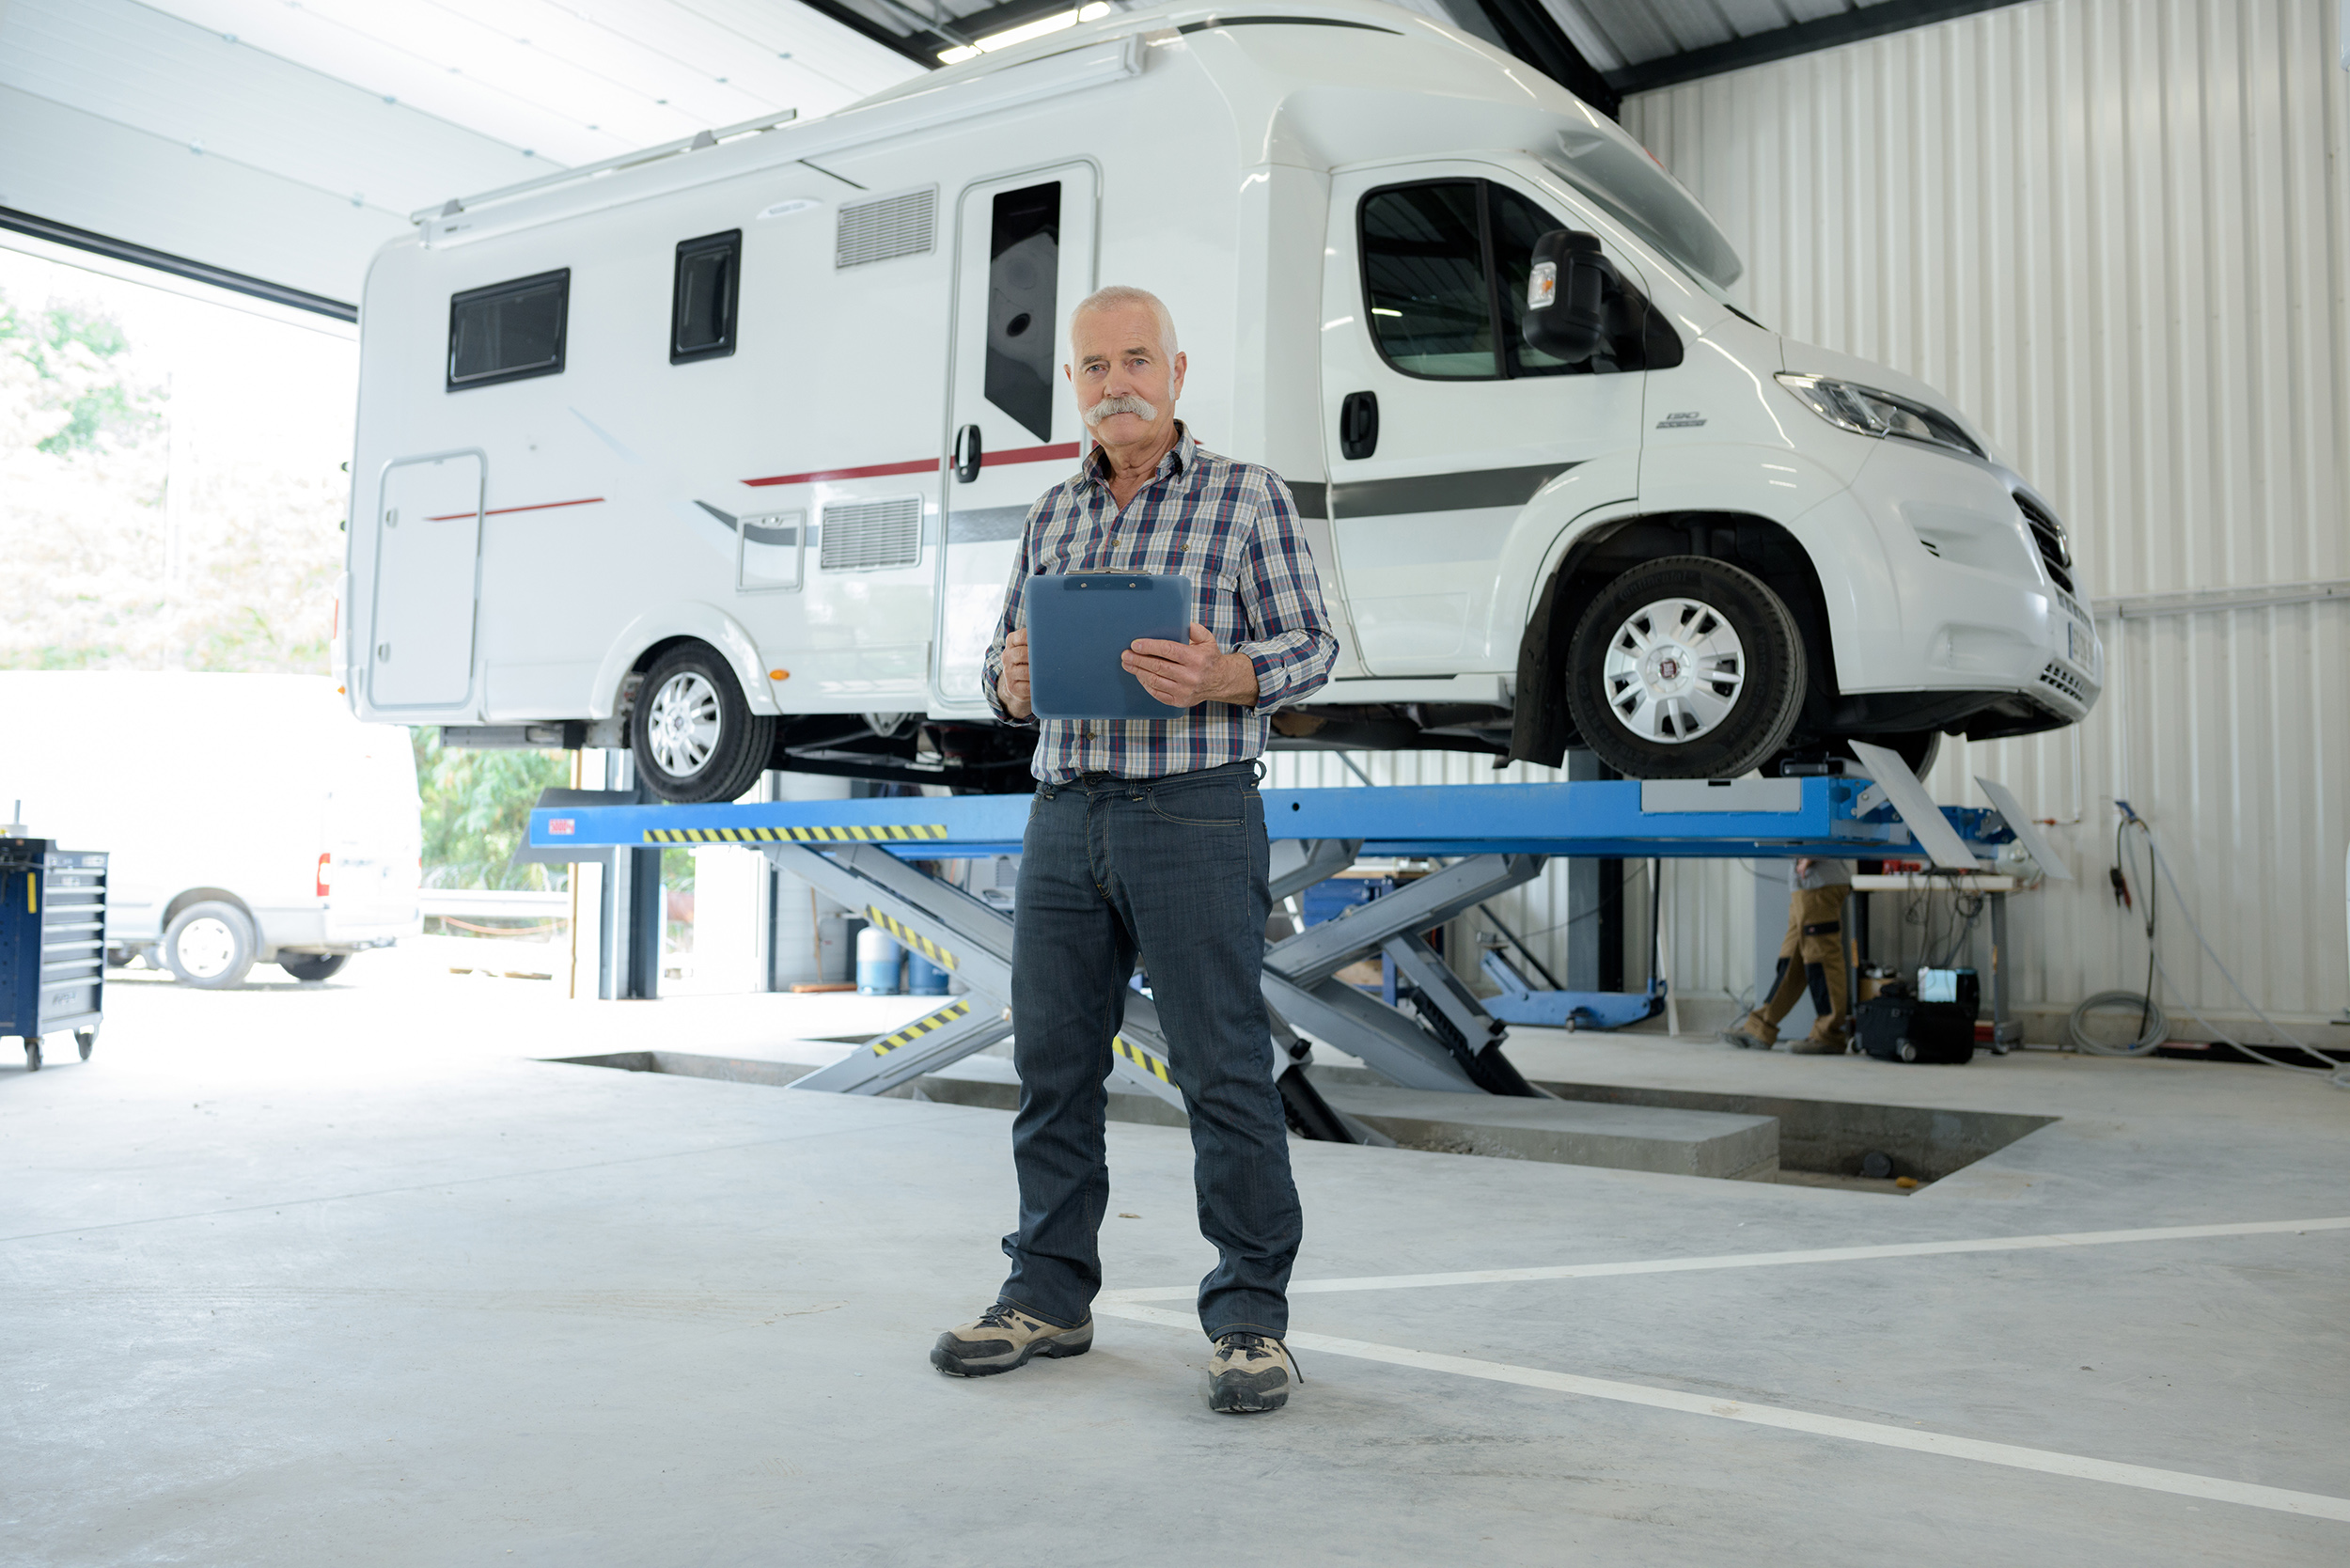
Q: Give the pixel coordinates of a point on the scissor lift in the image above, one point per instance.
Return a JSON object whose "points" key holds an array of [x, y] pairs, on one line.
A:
{"points": [[1492, 837]]}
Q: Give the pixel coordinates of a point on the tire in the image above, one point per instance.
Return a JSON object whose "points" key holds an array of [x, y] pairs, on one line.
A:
{"points": [[209, 944], [85, 1040], [1685, 668], [312, 966], [32, 1053], [693, 737]]}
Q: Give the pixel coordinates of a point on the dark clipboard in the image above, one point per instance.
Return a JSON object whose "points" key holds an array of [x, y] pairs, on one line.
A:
{"points": [[1079, 625]]}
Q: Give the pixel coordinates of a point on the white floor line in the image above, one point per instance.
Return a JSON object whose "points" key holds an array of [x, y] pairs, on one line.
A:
{"points": [[2178, 1482], [1756, 1260]]}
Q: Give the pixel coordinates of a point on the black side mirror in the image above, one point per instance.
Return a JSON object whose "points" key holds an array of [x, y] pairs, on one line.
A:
{"points": [[1566, 296]]}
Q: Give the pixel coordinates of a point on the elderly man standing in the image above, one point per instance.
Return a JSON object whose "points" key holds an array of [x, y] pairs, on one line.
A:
{"points": [[1147, 840]]}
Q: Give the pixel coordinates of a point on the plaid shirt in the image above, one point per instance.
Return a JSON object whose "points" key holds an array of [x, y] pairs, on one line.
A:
{"points": [[1228, 526]]}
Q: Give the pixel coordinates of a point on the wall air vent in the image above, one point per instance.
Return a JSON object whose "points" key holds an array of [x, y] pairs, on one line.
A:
{"points": [[867, 536], [903, 225]]}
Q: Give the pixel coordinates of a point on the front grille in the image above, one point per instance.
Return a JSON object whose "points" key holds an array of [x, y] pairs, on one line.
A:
{"points": [[865, 536], [2063, 680], [2049, 534]]}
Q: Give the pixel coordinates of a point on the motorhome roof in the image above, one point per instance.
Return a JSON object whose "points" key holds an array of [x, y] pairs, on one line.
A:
{"points": [[1580, 144]]}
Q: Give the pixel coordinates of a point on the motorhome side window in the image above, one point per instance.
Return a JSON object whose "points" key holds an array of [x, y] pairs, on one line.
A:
{"points": [[508, 331], [1444, 263], [703, 304], [1023, 287]]}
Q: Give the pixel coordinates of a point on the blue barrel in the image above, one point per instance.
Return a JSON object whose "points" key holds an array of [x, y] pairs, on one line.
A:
{"points": [[880, 964], [923, 978]]}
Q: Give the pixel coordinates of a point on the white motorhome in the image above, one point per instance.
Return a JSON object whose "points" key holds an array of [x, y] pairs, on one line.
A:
{"points": [[722, 452], [299, 853]]}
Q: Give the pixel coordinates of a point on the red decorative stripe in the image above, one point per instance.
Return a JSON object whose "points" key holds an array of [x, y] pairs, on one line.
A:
{"points": [[871, 471], [925, 466], [1031, 454], [501, 512]]}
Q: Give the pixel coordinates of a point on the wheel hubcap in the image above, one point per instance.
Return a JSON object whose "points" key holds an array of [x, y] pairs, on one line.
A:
{"points": [[1673, 671], [683, 725], [207, 948]]}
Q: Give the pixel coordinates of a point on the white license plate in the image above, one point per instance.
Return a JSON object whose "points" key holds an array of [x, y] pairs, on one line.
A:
{"points": [[2077, 640]]}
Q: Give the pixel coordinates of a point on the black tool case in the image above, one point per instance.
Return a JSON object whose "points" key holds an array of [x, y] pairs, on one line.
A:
{"points": [[53, 944], [1903, 1028]]}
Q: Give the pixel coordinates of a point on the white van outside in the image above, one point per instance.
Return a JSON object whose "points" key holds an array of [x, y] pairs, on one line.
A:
{"points": [[721, 452], [278, 829]]}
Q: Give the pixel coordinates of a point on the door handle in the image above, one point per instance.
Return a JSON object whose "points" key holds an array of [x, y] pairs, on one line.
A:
{"points": [[1359, 425], [967, 450]]}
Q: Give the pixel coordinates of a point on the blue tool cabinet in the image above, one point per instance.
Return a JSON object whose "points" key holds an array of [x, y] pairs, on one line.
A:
{"points": [[53, 944]]}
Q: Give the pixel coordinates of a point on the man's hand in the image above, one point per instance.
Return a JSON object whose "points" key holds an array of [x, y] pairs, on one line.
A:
{"points": [[1181, 675], [1013, 687]]}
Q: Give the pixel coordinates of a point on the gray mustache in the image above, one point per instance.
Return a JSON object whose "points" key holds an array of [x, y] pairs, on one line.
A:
{"points": [[1125, 403]]}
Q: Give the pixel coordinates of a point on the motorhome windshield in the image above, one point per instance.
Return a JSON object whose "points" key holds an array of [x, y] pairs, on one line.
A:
{"points": [[1648, 233]]}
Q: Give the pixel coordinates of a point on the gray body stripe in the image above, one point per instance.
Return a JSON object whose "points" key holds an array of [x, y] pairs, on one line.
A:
{"points": [[983, 524], [1465, 491], [757, 533]]}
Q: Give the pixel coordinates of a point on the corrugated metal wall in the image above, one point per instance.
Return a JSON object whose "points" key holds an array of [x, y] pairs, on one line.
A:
{"points": [[2117, 232]]}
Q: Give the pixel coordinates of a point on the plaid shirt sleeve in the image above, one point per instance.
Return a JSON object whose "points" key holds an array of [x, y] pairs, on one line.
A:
{"points": [[1292, 648], [1013, 617]]}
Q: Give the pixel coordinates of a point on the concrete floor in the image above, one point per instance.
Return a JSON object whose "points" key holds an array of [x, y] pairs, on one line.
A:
{"points": [[342, 1274]]}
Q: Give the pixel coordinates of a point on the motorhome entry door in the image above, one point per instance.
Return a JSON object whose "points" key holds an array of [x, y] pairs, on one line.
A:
{"points": [[428, 546], [1024, 257]]}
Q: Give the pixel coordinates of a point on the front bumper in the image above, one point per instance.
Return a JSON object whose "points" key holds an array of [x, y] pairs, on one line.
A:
{"points": [[1970, 603]]}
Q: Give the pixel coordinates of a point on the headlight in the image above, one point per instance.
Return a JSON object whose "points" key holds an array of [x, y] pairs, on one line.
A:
{"points": [[1866, 410]]}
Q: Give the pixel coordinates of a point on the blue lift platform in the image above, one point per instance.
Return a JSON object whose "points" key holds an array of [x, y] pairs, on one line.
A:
{"points": [[871, 855]]}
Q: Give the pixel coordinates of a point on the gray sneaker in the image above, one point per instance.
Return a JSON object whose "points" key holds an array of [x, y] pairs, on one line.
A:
{"points": [[1250, 1372], [1004, 1337]]}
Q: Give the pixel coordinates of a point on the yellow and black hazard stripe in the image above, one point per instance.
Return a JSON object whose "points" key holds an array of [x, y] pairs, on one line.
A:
{"points": [[920, 1027], [911, 937], [1155, 1066], [888, 833]]}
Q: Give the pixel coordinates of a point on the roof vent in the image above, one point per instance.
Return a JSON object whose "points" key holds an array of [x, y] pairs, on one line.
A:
{"points": [[880, 231], [867, 536]]}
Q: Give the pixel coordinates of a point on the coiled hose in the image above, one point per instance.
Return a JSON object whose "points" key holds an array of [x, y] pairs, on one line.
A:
{"points": [[2155, 1030]]}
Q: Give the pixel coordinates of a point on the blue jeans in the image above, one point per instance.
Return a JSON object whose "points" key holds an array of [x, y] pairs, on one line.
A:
{"points": [[1171, 870]]}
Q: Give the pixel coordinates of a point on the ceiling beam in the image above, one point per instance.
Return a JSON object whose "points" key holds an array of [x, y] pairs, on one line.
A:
{"points": [[1528, 30], [1804, 37], [921, 46]]}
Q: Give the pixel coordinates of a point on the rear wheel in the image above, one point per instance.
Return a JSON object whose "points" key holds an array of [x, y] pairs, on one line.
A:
{"points": [[693, 737], [1685, 668], [209, 944], [312, 966]]}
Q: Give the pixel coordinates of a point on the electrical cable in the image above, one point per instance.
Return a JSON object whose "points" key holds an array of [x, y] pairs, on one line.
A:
{"points": [[2336, 1073]]}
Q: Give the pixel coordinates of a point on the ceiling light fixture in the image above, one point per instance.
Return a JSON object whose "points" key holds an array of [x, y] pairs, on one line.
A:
{"points": [[1023, 33]]}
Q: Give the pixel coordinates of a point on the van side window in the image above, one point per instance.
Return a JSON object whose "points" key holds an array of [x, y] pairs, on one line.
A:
{"points": [[1022, 289], [703, 300], [508, 331], [1432, 310]]}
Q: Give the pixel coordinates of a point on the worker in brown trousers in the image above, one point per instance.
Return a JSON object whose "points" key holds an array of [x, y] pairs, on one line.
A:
{"points": [[1813, 951]]}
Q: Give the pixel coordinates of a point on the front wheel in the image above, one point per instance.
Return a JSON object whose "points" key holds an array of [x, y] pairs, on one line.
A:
{"points": [[1685, 668], [209, 944], [693, 737]]}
